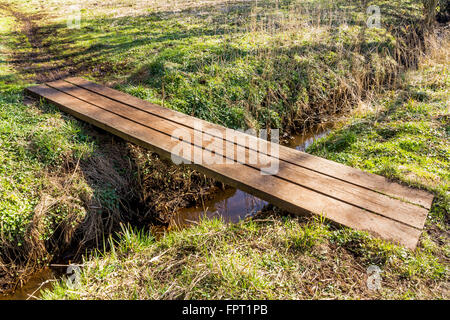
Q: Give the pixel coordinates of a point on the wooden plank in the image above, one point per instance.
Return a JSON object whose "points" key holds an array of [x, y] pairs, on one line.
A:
{"points": [[289, 196], [322, 166], [351, 194]]}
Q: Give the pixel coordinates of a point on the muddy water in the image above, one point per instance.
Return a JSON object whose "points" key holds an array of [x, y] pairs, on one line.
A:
{"points": [[302, 141], [231, 205], [39, 281]]}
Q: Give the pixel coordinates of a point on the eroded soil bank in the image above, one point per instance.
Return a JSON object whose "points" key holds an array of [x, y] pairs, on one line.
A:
{"points": [[84, 198], [230, 205]]}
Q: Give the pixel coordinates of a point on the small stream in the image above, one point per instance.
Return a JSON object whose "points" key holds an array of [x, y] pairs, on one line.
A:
{"points": [[39, 281], [232, 205]]}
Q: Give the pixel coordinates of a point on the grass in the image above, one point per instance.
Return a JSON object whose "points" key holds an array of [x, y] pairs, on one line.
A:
{"points": [[32, 142], [402, 135], [63, 184], [272, 258], [235, 64]]}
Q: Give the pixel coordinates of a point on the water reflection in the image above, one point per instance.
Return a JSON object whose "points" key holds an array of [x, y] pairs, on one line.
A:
{"points": [[232, 204], [31, 290], [302, 141]]}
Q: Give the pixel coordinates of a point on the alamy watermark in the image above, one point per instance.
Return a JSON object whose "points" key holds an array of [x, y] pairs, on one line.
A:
{"points": [[73, 276], [373, 12], [74, 17], [373, 278], [374, 20]]}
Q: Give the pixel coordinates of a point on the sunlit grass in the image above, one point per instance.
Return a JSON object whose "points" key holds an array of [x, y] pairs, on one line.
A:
{"points": [[276, 258], [240, 66]]}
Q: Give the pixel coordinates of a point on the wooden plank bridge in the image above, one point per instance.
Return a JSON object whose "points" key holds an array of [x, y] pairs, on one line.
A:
{"points": [[302, 183]]}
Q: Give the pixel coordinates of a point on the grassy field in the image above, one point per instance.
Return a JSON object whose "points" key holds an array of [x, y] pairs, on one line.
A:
{"points": [[273, 258], [280, 257], [283, 64], [64, 185]]}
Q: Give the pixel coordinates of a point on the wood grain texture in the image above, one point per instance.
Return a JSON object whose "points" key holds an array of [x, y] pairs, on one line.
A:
{"points": [[303, 183], [320, 165]]}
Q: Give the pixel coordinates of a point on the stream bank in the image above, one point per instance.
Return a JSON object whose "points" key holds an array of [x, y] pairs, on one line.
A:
{"points": [[230, 204]]}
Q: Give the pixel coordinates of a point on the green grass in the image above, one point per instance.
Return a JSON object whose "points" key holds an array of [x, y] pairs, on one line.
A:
{"points": [[211, 62], [241, 67], [38, 146], [404, 136], [275, 258], [30, 141]]}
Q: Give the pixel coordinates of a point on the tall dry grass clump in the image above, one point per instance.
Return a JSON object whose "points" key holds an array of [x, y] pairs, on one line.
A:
{"points": [[85, 200], [325, 59]]}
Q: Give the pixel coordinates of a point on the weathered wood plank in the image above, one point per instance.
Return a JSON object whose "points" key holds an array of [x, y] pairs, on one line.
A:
{"points": [[360, 197], [322, 166], [297, 189]]}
